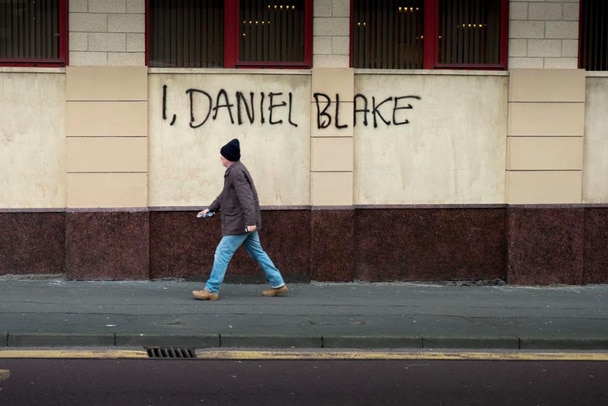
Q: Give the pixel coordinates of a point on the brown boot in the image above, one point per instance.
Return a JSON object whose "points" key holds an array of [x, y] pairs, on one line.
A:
{"points": [[275, 291], [205, 295]]}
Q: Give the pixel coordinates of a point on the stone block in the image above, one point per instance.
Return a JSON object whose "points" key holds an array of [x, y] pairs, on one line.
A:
{"points": [[533, 85], [331, 26], [108, 6], [545, 11], [332, 245], [107, 154], [107, 245], [88, 59], [331, 188], [418, 244], [562, 29], [126, 59], [544, 48], [127, 23], [88, 22], [107, 190], [527, 29], [546, 245], [104, 42], [107, 119], [544, 187], [32, 242], [332, 154], [106, 83]]}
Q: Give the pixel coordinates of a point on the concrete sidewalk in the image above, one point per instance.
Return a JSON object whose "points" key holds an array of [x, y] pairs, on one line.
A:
{"points": [[41, 313]]}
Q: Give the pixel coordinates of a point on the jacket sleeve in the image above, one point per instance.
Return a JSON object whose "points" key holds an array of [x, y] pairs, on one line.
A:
{"points": [[244, 193], [215, 206]]}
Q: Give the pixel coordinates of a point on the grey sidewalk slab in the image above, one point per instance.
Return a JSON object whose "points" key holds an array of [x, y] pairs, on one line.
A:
{"points": [[316, 315]]}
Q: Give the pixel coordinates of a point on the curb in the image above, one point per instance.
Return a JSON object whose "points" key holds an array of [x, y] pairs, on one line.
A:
{"points": [[543, 343], [59, 340], [293, 341], [164, 340]]}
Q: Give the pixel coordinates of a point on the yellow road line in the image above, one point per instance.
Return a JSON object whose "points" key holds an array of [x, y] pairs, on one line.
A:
{"points": [[313, 355], [64, 354], [400, 355]]}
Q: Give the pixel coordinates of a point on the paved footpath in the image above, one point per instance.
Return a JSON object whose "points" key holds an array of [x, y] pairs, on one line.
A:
{"points": [[54, 312]]}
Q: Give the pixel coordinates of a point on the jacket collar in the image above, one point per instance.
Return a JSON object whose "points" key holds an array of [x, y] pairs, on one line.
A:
{"points": [[230, 167]]}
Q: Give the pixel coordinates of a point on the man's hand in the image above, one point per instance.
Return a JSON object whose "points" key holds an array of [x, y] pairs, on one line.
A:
{"points": [[202, 213], [251, 229]]}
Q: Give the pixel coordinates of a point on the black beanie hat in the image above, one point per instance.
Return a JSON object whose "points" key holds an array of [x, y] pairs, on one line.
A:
{"points": [[232, 150]]}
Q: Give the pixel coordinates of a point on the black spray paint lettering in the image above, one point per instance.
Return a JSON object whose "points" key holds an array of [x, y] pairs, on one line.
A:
{"points": [[165, 106], [378, 110], [270, 108], [274, 108], [324, 119]]}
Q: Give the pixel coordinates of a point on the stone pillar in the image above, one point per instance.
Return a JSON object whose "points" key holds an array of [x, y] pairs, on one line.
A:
{"points": [[107, 172], [545, 136], [331, 178], [544, 176]]}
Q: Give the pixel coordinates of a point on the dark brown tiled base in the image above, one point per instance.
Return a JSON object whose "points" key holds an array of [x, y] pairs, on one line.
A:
{"points": [[109, 245], [546, 245], [537, 245], [596, 246], [430, 244], [32, 243], [182, 246], [333, 245]]}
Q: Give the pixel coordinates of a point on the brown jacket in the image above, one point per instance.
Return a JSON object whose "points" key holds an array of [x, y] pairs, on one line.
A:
{"points": [[238, 203]]}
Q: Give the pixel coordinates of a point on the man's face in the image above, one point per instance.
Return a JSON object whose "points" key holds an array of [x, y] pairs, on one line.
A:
{"points": [[225, 162]]}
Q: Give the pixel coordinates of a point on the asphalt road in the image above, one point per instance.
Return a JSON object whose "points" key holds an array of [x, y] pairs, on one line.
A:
{"points": [[302, 382]]}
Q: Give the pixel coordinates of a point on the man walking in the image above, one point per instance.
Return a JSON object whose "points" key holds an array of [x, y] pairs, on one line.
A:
{"points": [[241, 219]]}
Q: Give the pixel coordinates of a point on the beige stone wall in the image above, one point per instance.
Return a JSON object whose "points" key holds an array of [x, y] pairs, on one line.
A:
{"points": [[332, 141], [185, 169], [107, 137], [94, 137], [32, 138], [111, 147], [451, 152], [546, 134]]}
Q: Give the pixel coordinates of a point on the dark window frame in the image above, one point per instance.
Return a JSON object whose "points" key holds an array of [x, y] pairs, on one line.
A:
{"points": [[431, 48], [63, 57], [231, 39], [587, 59]]}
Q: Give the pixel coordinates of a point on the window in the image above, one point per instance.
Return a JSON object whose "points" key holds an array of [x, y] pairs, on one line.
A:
{"points": [[33, 32], [594, 35], [229, 33], [186, 33], [429, 34], [387, 34]]}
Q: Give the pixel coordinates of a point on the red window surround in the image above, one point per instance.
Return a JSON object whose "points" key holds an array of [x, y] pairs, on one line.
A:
{"points": [[62, 57], [231, 52], [431, 44], [431, 48], [232, 25]]}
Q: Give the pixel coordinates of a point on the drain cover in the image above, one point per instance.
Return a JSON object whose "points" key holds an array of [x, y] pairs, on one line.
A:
{"points": [[170, 352]]}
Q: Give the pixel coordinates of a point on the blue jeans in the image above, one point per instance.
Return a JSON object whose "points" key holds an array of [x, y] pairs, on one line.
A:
{"points": [[226, 249]]}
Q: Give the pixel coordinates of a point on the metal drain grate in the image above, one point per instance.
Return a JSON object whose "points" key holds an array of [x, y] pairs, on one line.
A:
{"points": [[171, 353]]}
